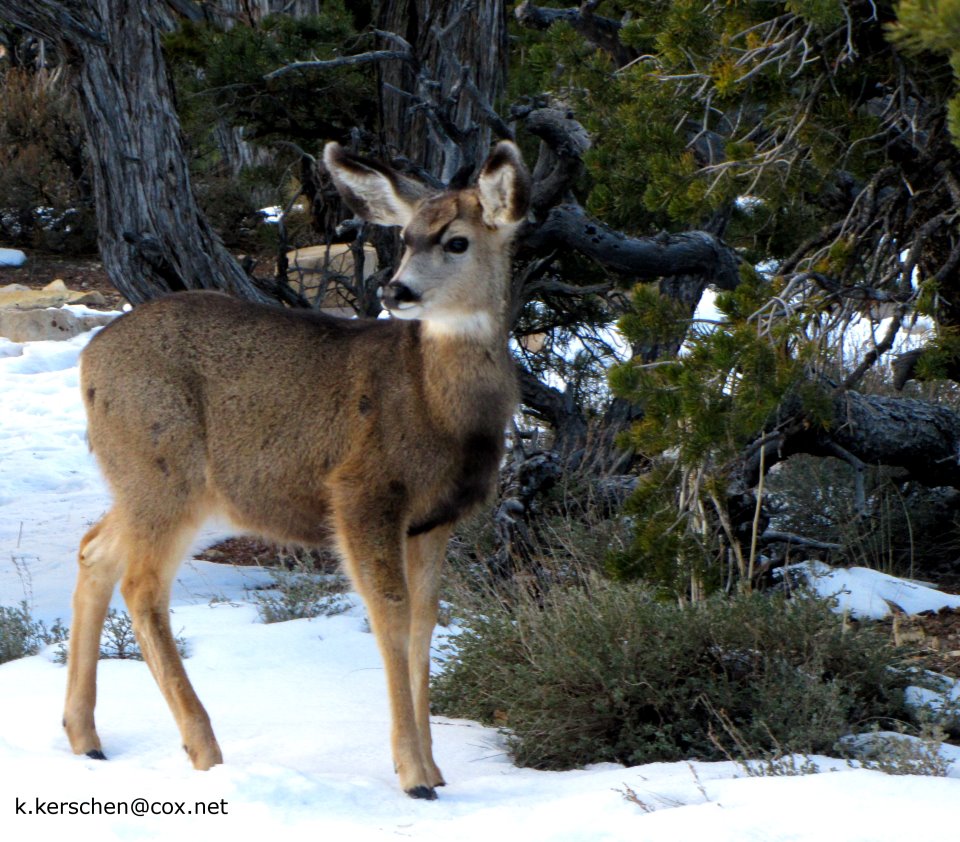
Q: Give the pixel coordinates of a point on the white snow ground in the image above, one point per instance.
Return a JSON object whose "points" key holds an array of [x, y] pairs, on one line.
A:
{"points": [[12, 257], [300, 709]]}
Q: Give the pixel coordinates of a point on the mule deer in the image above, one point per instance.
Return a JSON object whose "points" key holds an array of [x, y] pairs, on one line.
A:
{"points": [[378, 435]]}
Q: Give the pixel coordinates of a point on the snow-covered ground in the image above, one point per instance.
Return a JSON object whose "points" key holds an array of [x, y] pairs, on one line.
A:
{"points": [[300, 709], [12, 257]]}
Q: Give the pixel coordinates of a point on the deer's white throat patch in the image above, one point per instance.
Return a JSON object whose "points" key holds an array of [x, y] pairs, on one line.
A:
{"points": [[459, 325]]}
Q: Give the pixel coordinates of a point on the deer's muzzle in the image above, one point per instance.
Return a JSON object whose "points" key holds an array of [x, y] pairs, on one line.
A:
{"points": [[398, 296]]}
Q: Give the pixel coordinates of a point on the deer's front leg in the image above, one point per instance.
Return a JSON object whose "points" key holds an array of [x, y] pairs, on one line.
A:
{"points": [[425, 556], [373, 550]]}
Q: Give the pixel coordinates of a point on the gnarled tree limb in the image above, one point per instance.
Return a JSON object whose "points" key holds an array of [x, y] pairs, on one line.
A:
{"points": [[560, 163], [917, 436], [602, 32], [568, 226]]}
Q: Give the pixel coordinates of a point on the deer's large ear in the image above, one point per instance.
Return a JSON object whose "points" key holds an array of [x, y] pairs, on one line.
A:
{"points": [[374, 192], [504, 186]]}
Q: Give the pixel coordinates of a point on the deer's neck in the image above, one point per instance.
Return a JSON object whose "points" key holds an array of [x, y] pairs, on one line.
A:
{"points": [[469, 377]]}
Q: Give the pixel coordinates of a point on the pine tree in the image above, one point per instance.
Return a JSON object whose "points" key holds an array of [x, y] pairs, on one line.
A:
{"points": [[815, 137]]}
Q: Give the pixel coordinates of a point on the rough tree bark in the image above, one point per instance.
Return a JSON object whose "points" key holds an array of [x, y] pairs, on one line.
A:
{"points": [[153, 237], [459, 44], [919, 437], [252, 11]]}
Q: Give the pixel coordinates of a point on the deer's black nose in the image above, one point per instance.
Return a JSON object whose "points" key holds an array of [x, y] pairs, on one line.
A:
{"points": [[396, 292]]}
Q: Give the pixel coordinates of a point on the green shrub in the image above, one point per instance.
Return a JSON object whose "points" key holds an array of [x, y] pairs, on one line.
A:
{"points": [[45, 198], [296, 594], [607, 673], [895, 753], [118, 641], [21, 635]]}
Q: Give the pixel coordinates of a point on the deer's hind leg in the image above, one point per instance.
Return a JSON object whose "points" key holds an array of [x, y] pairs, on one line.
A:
{"points": [[153, 557], [101, 564], [144, 555]]}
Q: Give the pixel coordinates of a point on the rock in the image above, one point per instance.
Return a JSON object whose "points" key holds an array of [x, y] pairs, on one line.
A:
{"points": [[54, 294], [30, 315], [50, 323], [306, 274], [91, 297]]}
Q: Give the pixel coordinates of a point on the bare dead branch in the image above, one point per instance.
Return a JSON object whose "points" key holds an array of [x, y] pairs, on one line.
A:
{"points": [[560, 162], [772, 536], [403, 43], [342, 61], [556, 408], [859, 468], [875, 353]]}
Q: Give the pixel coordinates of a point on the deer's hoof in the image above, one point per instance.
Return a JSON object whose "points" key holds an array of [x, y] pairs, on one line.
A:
{"points": [[425, 792]]}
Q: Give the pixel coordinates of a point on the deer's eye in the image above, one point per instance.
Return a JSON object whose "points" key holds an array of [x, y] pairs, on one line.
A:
{"points": [[456, 245]]}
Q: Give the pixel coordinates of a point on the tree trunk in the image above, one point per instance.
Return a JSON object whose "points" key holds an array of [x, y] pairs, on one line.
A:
{"points": [[253, 11], [153, 238], [557, 409], [476, 45]]}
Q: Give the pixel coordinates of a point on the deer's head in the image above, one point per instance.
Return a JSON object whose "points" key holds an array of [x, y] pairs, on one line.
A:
{"points": [[456, 258]]}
